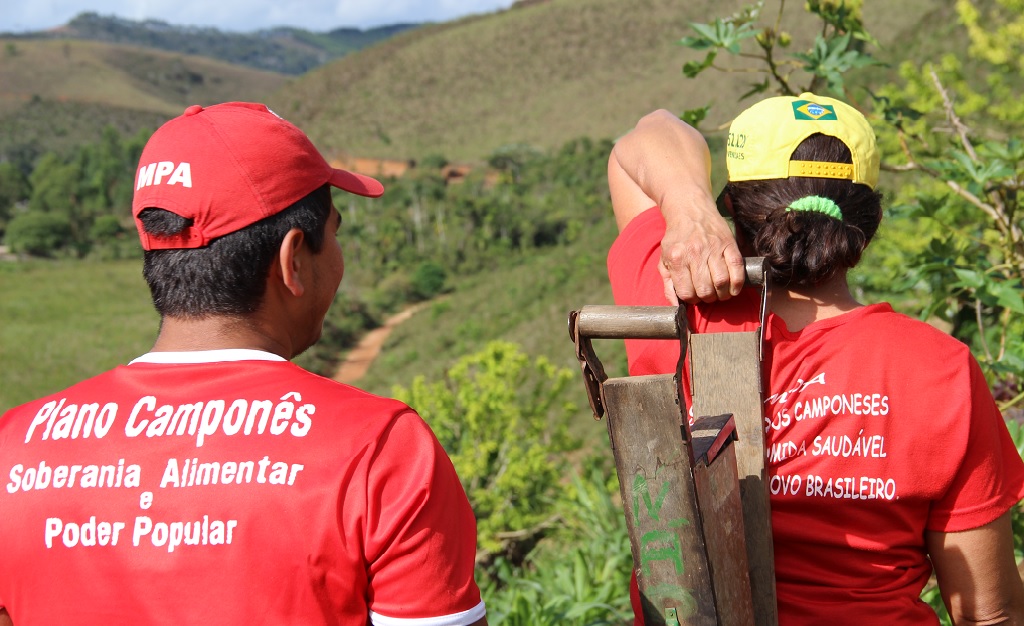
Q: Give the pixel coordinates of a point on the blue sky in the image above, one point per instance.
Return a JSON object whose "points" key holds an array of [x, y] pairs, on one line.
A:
{"points": [[245, 15]]}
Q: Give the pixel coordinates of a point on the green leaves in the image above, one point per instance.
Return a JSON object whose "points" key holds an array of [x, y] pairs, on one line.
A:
{"points": [[38, 233], [757, 88], [694, 117], [969, 278], [553, 540], [1007, 294], [838, 49], [693, 68], [495, 413], [992, 288], [92, 182], [721, 35], [960, 165], [1011, 150], [581, 576], [894, 114], [830, 58]]}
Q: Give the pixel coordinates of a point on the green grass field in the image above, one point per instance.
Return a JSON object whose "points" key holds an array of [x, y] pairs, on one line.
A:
{"points": [[64, 321]]}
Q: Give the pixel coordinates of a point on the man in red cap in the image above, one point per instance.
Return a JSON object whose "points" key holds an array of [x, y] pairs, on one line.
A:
{"points": [[211, 480]]}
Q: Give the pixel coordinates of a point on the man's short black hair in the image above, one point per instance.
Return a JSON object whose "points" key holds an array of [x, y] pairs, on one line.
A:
{"points": [[228, 276]]}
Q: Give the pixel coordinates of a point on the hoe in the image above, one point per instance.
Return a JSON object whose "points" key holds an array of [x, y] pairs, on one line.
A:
{"points": [[695, 493]]}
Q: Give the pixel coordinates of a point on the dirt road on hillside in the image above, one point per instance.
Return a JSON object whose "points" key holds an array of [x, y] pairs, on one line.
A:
{"points": [[362, 356]]}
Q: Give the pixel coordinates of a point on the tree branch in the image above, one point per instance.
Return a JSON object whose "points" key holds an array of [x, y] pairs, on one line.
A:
{"points": [[997, 209], [981, 328], [913, 164], [973, 199], [960, 128]]}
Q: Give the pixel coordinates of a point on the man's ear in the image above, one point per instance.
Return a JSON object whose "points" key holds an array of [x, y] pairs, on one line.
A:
{"points": [[290, 261]]}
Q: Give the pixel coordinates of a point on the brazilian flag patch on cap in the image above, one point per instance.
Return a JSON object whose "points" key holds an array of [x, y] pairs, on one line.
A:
{"points": [[807, 110]]}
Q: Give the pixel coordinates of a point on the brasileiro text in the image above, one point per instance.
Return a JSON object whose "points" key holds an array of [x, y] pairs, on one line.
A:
{"points": [[799, 404]]}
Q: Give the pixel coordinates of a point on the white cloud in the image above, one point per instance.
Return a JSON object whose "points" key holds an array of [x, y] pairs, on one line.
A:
{"points": [[245, 15]]}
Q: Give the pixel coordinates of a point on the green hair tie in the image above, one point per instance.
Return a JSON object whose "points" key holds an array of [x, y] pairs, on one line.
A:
{"points": [[817, 204]]}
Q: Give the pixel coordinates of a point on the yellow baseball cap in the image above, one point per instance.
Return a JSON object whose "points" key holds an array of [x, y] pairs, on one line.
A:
{"points": [[762, 140]]}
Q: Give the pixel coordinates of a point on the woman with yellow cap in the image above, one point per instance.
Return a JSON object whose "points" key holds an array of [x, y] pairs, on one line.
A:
{"points": [[888, 458]]}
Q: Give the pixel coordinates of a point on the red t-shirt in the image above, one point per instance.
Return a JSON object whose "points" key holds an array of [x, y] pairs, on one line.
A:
{"points": [[229, 487], [878, 427]]}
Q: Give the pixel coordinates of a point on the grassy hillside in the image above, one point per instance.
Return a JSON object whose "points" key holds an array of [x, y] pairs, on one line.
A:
{"points": [[61, 93], [540, 73]]}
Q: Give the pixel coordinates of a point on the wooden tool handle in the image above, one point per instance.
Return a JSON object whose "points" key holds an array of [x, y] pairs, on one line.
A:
{"points": [[646, 322], [605, 321]]}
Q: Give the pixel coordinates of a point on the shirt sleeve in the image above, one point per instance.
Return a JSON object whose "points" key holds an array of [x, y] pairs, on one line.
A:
{"points": [[990, 477], [633, 273], [420, 532], [633, 261]]}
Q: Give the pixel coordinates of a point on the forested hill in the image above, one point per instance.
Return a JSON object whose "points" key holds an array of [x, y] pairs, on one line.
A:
{"points": [[284, 49]]}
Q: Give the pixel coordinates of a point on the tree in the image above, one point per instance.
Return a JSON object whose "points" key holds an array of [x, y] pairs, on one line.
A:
{"points": [[93, 181], [56, 188], [951, 124], [13, 189], [105, 228], [38, 234], [580, 575], [838, 48], [957, 122], [107, 179]]}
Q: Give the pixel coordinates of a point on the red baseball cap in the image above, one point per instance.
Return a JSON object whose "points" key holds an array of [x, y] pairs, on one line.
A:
{"points": [[227, 166]]}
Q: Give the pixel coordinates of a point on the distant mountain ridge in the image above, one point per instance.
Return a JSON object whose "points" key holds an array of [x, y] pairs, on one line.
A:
{"points": [[284, 49]]}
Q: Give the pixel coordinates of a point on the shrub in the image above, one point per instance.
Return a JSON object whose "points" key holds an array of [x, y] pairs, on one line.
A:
{"points": [[495, 415], [38, 233], [428, 280]]}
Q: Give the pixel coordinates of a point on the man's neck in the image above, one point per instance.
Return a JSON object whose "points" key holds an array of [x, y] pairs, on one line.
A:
{"points": [[218, 332]]}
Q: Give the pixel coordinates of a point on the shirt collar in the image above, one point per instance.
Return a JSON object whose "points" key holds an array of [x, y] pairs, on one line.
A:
{"points": [[207, 356]]}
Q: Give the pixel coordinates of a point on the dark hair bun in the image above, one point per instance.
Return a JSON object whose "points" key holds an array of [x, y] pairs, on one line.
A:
{"points": [[806, 248]]}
